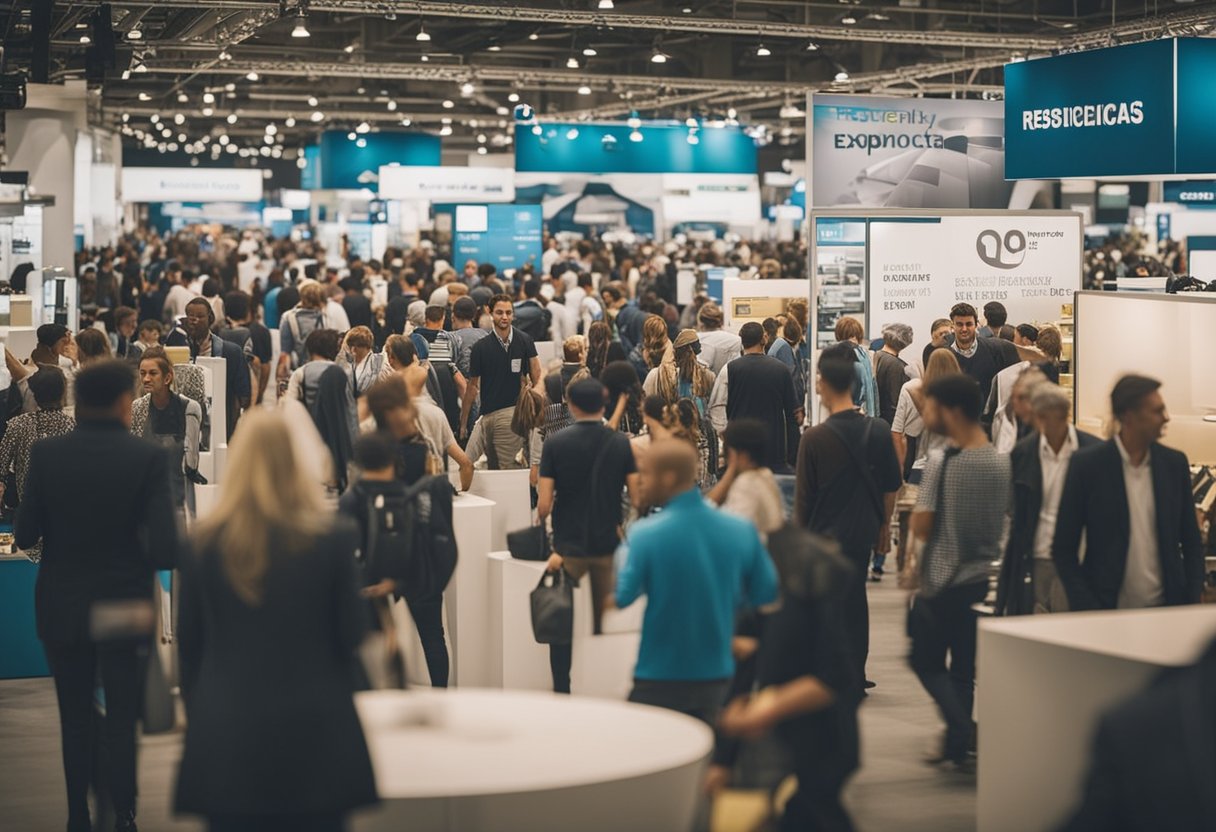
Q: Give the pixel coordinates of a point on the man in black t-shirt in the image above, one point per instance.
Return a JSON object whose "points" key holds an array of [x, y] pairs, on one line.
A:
{"points": [[582, 470], [497, 365], [251, 336], [979, 357]]}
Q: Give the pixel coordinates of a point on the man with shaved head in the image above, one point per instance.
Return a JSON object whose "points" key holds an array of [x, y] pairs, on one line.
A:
{"points": [[696, 566]]}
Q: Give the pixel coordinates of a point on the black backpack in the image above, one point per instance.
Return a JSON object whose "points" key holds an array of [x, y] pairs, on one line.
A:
{"points": [[410, 538]]}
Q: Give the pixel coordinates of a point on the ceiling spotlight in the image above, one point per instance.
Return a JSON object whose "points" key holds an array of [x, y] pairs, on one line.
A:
{"points": [[584, 90], [481, 151], [230, 87], [467, 88], [445, 120], [360, 142], [572, 62], [392, 105], [349, 49], [135, 34], [445, 130], [878, 16], [208, 98], [301, 162], [481, 138], [143, 96], [841, 77], [763, 51], [658, 57], [501, 111], [589, 51], [301, 29], [179, 119], [352, 135], [207, 111], [634, 122], [494, 47], [423, 36], [363, 127], [848, 20], [312, 101], [126, 117], [732, 113], [635, 136], [572, 133], [225, 55], [181, 137], [182, 98], [290, 121], [271, 129], [138, 65], [693, 138], [534, 36], [448, 103], [811, 46], [406, 122], [222, 139], [425, 58], [513, 97], [605, 5], [537, 130], [154, 118], [686, 10], [251, 76], [232, 118], [85, 39], [690, 122]]}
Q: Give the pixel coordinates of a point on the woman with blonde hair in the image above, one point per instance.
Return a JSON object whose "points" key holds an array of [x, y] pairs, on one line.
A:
{"points": [[655, 346], [269, 623], [682, 376]]}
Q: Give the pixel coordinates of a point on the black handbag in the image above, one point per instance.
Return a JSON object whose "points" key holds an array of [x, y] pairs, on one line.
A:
{"points": [[531, 543], [553, 608]]}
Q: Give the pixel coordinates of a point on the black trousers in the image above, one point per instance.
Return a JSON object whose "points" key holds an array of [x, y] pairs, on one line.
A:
{"points": [[428, 618], [561, 656], [75, 669], [816, 806], [855, 616], [941, 626]]}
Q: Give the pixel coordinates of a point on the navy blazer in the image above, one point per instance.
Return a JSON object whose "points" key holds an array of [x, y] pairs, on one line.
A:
{"points": [[1095, 502]]}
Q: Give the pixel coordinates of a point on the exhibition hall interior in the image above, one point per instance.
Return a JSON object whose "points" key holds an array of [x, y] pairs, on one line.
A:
{"points": [[599, 415]]}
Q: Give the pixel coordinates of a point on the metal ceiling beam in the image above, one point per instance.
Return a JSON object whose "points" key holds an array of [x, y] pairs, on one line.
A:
{"points": [[617, 19]]}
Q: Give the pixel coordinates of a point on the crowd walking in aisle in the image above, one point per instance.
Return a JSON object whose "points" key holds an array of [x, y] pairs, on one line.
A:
{"points": [[750, 494]]}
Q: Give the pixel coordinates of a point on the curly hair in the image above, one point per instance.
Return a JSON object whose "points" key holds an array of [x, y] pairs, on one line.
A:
{"points": [[654, 340], [599, 336]]}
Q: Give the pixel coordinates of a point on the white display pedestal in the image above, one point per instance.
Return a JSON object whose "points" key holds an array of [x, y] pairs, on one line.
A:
{"points": [[510, 492], [466, 602], [512, 761], [547, 351], [20, 340], [602, 665], [1043, 682]]}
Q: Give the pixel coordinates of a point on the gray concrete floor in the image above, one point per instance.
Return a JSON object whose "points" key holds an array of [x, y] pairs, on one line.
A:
{"points": [[893, 792]]}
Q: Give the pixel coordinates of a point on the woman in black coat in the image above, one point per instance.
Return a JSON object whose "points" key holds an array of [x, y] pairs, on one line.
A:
{"points": [[269, 623]]}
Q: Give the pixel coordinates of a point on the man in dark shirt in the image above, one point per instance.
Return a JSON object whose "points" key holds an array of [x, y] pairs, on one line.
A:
{"points": [[358, 307], [582, 470], [847, 478], [981, 358], [497, 365], [242, 329], [891, 371], [758, 386]]}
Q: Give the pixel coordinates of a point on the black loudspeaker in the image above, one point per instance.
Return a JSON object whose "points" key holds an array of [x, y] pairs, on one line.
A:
{"points": [[40, 42], [101, 56]]}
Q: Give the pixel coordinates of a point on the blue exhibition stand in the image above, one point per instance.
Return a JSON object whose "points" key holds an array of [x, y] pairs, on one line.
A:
{"points": [[21, 655]]}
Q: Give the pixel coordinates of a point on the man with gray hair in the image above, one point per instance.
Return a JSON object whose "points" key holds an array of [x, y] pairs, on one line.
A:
{"points": [[1028, 581], [891, 371]]}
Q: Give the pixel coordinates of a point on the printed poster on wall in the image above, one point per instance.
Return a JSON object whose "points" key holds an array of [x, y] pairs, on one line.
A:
{"points": [[881, 152], [919, 268]]}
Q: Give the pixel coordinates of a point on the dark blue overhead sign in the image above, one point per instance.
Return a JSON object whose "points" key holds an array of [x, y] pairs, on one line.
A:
{"points": [[618, 148], [1191, 193], [1144, 109], [509, 236], [339, 163]]}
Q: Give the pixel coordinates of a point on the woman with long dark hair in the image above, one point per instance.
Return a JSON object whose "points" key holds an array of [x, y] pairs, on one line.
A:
{"points": [[624, 397], [601, 349]]}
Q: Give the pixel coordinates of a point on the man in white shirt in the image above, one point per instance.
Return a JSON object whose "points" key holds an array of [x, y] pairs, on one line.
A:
{"points": [[1028, 581], [718, 347], [179, 295], [1131, 499]]}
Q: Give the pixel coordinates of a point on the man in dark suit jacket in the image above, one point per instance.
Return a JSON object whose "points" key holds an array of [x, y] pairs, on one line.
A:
{"points": [[99, 500], [197, 335], [1154, 760], [1028, 581], [1131, 497]]}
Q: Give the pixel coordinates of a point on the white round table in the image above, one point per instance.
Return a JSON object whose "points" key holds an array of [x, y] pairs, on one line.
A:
{"points": [[511, 761]]}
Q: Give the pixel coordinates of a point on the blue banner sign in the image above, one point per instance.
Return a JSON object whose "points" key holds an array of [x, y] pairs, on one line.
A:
{"points": [[1191, 193], [339, 163], [618, 148], [509, 236], [1138, 110]]}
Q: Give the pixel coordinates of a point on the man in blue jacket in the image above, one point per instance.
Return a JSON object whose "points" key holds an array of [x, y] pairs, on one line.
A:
{"points": [[696, 566]]}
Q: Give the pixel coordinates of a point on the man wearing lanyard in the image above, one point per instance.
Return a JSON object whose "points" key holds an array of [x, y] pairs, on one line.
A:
{"points": [[200, 317], [496, 368]]}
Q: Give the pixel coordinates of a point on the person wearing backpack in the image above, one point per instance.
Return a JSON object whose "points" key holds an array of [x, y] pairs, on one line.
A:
{"points": [[846, 481], [531, 317], [296, 325]]}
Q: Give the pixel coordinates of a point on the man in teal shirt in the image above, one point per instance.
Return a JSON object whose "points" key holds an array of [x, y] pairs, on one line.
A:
{"points": [[696, 566]]}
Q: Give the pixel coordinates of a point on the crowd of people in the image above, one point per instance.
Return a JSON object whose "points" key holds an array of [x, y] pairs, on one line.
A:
{"points": [[669, 458]]}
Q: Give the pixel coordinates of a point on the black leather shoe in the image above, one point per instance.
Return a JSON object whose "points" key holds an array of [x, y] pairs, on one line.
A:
{"points": [[125, 822]]}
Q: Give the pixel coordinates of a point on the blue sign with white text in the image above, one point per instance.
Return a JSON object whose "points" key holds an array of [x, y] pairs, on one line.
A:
{"points": [[509, 236], [616, 148], [340, 163], [1191, 193]]}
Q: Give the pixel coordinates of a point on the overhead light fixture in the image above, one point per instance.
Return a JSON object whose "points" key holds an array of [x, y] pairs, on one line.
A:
{"points": [[848, 20], [135, 34], [841, 77], [317, 116], [349, 49], [230, 87], [301, 28], [534, 36], [467, 88], [494, 47], [225, 55], [448, 103], [481, 138], [445, 130], [693, 138], [572, 133], [251, 76], [481, 151], [290, 121], [634, 122], [352, 135], [406, 122], [589, 51], [361, 143], [312, 101], [584, 90], [143, 96], [763, 51], [811, 46], [301, 162], [635, 136], [208, 98], [126, 117], [392, 105], [445, 120], [423, 36], [85, 39], [363, 127], [179, 119], [513, 97], [732, 113], [232, 118], [690, 122], [182, 98], [425, 58], [658, 56], [154, 118], [878, 16], [207, 111], [572, 62], [606, 5], [271, 129]]}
